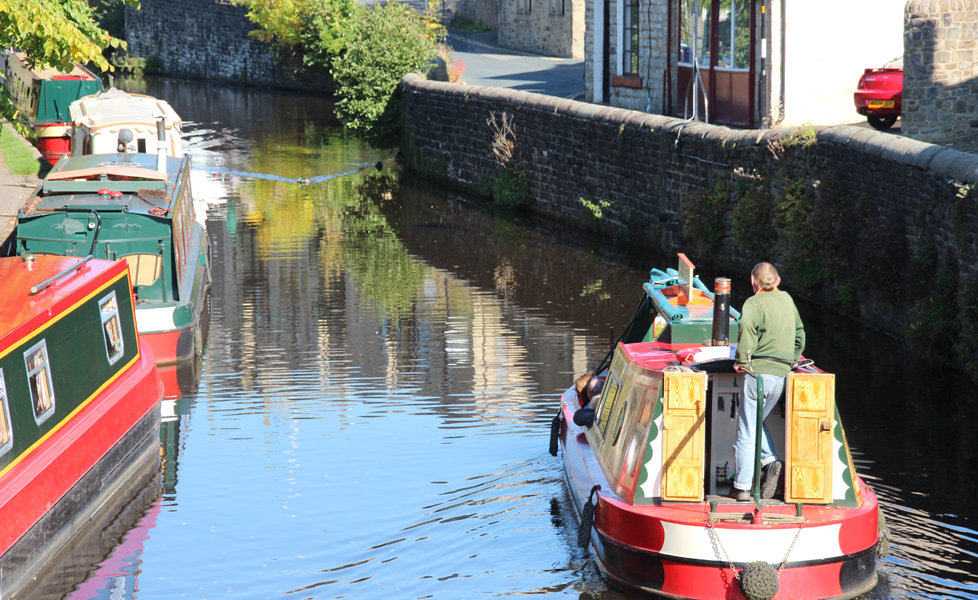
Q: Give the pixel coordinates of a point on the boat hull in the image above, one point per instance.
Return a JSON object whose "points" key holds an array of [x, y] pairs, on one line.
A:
{"points": [[53, 140], [50, 494], [673, 551]]}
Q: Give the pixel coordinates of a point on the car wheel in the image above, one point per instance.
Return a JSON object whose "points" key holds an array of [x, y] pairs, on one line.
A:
{"points": [[881, 123]]}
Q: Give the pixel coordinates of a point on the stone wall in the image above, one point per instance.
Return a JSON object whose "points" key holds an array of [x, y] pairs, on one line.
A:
{"points": [[547, 27], [940, 69], [879, 226], [208, 40]]}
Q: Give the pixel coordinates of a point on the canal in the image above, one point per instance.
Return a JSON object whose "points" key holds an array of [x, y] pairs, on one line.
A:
{"points": [[371, 415]]}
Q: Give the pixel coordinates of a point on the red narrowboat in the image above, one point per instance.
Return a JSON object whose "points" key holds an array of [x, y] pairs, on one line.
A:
{"points": [[650, 469], [79, 403]]}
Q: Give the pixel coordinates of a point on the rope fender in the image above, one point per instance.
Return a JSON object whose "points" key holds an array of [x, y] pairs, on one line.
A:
{"points": [[587, 519], [554, 434], [759, 581], [883, 533]]}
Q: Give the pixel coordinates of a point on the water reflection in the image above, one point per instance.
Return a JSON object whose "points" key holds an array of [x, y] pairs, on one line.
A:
{"points": [[371, 415]]}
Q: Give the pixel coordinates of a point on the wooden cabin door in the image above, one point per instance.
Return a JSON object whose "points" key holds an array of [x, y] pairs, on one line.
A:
{"points": [[683, 442], [810, 415]]}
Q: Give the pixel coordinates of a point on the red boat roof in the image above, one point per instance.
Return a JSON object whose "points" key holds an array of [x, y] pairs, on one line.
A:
{"points": [[22, 312]]}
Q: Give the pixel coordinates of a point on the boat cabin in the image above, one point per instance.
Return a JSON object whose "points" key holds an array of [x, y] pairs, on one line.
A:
{"points": [[118, 206], [98, 121]]}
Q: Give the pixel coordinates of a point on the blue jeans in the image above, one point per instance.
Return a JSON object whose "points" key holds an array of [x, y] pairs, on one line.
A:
{"points": [[744, 447]]}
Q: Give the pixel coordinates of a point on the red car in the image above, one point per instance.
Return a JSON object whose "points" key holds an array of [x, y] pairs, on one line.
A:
{"points": [[879, 95]]}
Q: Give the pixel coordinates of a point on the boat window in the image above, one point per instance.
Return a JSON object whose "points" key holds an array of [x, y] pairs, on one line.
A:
{"points": [[619, 422], [39, 378], [111, 327], [608, 396], [6, 432], [141, 145], [635, 451]]}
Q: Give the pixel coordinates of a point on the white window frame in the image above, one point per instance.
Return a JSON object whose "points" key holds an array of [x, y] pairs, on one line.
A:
{"points": [[108, 307], [44, 368]]}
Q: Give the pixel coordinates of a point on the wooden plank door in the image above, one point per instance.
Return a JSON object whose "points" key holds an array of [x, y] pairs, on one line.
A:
{"points": [[683, 442], [810, 413]]}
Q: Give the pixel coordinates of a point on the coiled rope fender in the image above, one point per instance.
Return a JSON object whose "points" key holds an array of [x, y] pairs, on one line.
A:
{"points": [[554, 434], [883, 533], [759, 581], [587, 519]]}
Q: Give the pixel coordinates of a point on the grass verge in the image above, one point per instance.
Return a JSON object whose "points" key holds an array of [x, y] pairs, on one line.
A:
{"points": [[18, 157]]}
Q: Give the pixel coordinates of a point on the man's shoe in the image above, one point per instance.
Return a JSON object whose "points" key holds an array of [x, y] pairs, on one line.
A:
{"points": [[771, 478], [739, 495]]}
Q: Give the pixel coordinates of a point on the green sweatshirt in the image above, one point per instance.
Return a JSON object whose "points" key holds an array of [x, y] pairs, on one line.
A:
{"points": [[770, 326]]}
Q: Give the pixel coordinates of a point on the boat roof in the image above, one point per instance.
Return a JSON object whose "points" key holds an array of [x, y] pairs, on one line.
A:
{"points": [[22, 311], [89, 179], [77, 71], [116, 108]]}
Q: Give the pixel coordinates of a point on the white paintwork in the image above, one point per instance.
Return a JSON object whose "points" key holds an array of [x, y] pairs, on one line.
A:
{"points": [[747, 545], [154, 320], [826, 54]]}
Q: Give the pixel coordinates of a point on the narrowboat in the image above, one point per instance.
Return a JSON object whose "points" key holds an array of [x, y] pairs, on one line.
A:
{"points": [[99, 119], [79, 404], [650, 469], [42, 97], [140, 209]]}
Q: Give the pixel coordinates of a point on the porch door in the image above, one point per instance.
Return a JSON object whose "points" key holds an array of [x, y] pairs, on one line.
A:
{"points": [[716, 40]]}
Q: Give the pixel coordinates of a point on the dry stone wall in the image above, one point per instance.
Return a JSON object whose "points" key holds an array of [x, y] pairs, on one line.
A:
{"points": [[207, 40], [876, 225]]}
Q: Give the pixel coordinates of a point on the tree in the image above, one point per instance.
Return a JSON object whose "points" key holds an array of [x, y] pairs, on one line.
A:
{"points": [[384, 44], [55, 33]]}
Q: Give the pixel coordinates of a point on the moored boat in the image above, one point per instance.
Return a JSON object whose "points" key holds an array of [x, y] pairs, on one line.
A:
{"points": [[649, 470], [98, 120], [138, 208], [79, 403], [42, 97]]}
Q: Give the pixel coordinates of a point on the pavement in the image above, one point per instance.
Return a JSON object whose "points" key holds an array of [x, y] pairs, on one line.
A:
{"points": [[14, 190]]}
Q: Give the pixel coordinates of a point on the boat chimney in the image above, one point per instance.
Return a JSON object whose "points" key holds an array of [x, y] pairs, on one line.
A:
{"points": [[161, 144], [721, 311]]}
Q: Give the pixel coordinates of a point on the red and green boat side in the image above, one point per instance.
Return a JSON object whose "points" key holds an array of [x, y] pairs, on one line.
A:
{"points": [[79, 403], [140, 209], [649, 476], [42, 97]]}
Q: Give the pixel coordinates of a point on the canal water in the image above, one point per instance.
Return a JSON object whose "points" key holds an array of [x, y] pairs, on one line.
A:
{"points": [[371, 416]]}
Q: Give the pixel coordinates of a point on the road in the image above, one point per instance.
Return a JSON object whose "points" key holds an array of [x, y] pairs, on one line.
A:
{"points": [[488, 64]]}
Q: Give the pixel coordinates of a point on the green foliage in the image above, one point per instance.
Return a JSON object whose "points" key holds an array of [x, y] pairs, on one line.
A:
{"points": [[468, 25], [510, 188], [705, 217], [753, 220], [593, 211], [19, 159], [796, 215], [55, 33], [384, 44]]}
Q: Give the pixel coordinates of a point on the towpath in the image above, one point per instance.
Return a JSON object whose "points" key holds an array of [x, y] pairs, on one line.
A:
{"points": [[14, 190]]}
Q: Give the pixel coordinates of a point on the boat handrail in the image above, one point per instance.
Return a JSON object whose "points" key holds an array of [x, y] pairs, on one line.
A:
{"points": [[45, 284]]}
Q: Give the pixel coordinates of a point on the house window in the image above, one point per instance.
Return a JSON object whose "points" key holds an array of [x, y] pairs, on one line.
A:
{"points": [[629, 34], [557, 7], [39, 378], [695, 32], [524, 6], [6, 431], [111, 327]]}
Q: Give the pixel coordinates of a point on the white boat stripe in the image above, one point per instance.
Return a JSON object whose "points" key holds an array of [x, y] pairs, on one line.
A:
{"points": [[155, 320], [746, 545]]}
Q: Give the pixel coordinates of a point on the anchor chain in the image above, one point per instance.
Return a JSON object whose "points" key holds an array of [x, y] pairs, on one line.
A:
{"points": [[721, 552], [715, 542], [790, 548]]}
